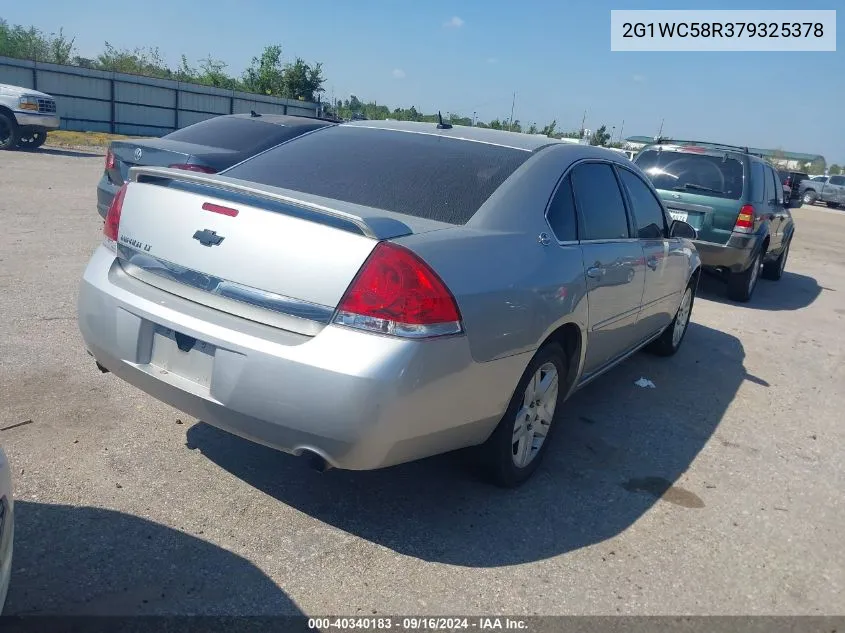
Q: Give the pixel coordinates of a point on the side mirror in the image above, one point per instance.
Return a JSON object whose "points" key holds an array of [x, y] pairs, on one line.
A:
{"points": [[683, 230]]}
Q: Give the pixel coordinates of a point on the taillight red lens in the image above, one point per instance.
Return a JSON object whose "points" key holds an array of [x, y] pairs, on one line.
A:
{"points": [[745, 220], [188, 167], [397, 293], [110, 228], [109, 159]]}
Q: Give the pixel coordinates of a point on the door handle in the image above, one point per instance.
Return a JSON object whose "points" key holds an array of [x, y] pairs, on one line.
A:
{"points": [[651, 262], [595, 272]]}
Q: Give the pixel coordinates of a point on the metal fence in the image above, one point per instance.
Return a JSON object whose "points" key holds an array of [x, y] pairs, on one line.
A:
{"points": [[101, 101]]}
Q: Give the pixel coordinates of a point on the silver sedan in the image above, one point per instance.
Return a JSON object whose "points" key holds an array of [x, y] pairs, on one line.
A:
{"points": [[377, 292]]}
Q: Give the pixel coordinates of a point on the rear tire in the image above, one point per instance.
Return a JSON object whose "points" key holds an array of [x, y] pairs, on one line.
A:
{"points": [[774, 270], [833, 205], [741, 285], [668, 343], [515, 449], [9, 132]]}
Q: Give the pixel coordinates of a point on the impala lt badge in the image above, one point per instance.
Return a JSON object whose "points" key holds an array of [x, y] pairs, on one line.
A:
{"points": [[208, 238]]}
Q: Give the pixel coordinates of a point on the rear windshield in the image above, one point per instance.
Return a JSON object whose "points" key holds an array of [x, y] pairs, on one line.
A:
{"points": [[422, 175], [233, 133], [720, 176]]}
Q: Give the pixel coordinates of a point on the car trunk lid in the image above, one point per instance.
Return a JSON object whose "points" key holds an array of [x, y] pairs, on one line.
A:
{"points": [[231, 244], [156, 153], [712, 218]]}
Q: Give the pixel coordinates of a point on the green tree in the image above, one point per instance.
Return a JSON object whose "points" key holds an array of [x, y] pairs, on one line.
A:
{"points": [[138, 61], [302, 81], [817, 166], [266, 74], [212, 72], [549, 130], [600, 136], [532, 129], [31, 43], [835, 170]]}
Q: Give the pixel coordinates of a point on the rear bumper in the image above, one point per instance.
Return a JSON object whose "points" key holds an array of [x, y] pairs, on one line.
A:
{"points": [[359, 400], [33, 119], [106, 191], [735, 256]]}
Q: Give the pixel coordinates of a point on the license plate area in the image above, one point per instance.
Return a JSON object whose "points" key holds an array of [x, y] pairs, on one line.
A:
{"points": [[690, 217], [193, 362]]}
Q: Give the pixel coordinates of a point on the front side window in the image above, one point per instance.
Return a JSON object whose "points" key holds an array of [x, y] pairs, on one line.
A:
{"points": [[648, 212]]}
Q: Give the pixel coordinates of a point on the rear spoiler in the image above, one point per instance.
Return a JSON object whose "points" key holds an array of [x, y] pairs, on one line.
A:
{"points": [[274, 199]]}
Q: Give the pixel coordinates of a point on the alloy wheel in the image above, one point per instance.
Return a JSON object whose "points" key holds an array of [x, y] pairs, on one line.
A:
{"points": [[534, 417]]}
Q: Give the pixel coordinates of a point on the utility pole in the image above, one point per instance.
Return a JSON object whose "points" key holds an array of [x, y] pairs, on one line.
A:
{"points": [[583, 121], [621, 127], [473, 119], [660, 131], [513, 103]]}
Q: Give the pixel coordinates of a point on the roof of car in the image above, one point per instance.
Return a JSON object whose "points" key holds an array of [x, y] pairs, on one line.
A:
{"points": [[515, 140], [288, 120]]}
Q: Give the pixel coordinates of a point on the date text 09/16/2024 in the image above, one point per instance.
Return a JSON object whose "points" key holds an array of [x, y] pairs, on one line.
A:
{"points": [[417, 624]]}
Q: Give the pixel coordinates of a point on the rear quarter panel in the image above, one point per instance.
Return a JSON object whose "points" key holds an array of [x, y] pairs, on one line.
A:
{"points": [[513, 291]]}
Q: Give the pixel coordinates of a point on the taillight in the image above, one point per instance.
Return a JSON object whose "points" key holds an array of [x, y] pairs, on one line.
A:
{"points": [[745, 220], [112, 224], [188, 167], [109, 159], [397, 293]]}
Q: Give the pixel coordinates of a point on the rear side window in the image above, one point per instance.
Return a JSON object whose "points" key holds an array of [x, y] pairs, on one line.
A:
{"points": [[651, 223], [770, 186], [561, 214], [758, 182], [720, 176], [837, 180], [599, 201], [235, 134], [422, 175]]}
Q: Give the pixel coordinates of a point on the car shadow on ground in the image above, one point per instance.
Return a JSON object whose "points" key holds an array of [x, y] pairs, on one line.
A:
{"points": [[793, 292], [71, 560], [72, 153], [620, 451]]}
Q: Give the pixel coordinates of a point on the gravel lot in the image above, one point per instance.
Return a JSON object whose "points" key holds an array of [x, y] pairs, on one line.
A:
{"points": [[718, 492]]}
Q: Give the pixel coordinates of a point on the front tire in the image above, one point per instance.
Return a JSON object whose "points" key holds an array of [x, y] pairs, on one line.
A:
{"points": [[741, 285], [9, 132], [32, 139], [809, 197], [668, 343], [514, 450]]}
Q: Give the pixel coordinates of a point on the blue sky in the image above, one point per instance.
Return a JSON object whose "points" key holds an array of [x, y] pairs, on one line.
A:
{"points": [[472, 56]]}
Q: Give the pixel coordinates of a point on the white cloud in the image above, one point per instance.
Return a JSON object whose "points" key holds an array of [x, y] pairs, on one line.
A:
{"points": [[638, 78], [492, 60], [398, 73], [454, 23]]}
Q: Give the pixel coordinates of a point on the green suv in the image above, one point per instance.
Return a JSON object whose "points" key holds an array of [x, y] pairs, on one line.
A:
{"points": [[735, 201]]}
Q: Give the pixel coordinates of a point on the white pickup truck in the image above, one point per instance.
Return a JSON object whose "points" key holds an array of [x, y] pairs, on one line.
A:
{"points": [[25, 117]]}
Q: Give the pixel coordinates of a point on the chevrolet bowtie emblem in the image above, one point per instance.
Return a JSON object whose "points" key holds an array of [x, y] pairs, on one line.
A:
{"points": [[208, 238]]}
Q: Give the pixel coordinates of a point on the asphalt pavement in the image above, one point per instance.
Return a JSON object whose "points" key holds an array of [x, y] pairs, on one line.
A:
{"points": [[719, 491]]}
